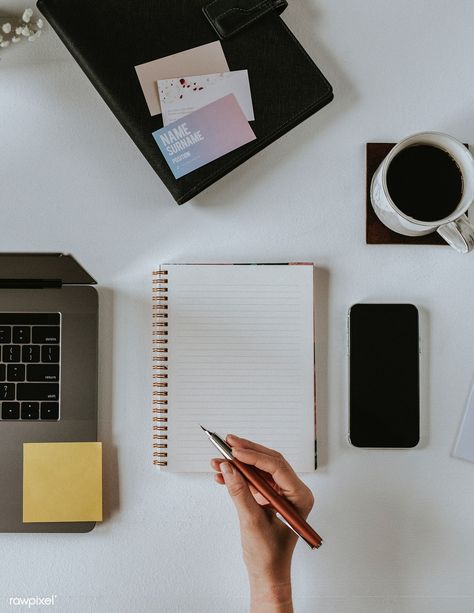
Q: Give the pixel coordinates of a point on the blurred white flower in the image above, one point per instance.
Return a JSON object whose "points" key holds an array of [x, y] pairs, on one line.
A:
{"points": [[21, 29], [28, 13]]}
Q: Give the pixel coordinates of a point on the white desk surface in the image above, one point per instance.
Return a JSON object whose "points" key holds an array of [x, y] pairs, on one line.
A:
{"points": [[398, 525]]}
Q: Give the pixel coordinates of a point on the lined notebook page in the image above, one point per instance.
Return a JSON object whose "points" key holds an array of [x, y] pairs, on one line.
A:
{"points": [[240, 360]]}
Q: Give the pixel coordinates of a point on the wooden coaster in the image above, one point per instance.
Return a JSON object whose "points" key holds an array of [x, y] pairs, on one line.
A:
{"points": [[376, 232]]}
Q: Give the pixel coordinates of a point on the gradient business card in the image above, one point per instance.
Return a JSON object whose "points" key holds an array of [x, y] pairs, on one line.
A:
{"points": [[181, 96], [204, 136]]}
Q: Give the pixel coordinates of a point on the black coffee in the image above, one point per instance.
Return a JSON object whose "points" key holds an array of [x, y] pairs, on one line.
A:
{"points": [[425, 182]]}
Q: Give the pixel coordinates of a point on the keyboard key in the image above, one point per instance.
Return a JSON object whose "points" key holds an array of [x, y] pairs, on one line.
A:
{"points": [[30, 410], [36, 391], [29, 366], [46, 334], [21, 334], [16, 372], [50, 410], [30, 353], [5, 334], [11, 353], [10, 410], [50, 353], [7, 391], [42, 372]]}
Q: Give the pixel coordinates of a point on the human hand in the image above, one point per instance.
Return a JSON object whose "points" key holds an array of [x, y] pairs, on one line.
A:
{"points": [[267, 543]]}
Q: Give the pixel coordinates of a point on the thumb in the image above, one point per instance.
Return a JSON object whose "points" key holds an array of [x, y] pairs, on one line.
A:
{"points": [[239, 491]]}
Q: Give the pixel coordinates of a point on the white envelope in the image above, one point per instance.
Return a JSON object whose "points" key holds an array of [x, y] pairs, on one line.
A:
{"points": [[464, 447], [184, 95]]}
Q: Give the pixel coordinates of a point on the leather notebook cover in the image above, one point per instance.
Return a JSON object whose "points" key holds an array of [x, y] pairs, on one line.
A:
{"points": [[109, 38]]}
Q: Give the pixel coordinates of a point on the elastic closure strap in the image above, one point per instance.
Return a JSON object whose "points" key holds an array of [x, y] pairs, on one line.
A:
{"points": [[228, 17]]}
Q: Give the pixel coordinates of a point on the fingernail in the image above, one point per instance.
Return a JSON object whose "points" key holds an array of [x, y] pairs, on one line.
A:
{"points": [[226, 468], [231, 436]]}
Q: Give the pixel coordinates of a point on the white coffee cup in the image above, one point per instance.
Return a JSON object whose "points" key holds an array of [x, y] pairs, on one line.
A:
{"points": [[456, 229]]}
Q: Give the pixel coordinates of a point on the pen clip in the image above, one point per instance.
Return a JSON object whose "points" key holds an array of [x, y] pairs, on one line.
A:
{"points": [[282, 519]]}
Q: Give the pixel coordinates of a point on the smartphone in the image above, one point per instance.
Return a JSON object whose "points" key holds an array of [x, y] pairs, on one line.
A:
{"points": [[384, 376]]}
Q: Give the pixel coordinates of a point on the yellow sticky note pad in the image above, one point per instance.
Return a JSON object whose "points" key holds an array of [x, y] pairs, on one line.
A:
{"points": [[62, 482]]}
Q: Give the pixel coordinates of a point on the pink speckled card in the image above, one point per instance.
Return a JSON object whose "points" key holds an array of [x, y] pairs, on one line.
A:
{"points": [[181, 96]]}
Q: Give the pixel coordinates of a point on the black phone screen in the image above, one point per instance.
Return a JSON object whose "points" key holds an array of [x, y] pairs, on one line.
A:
{"points": [[384, 394]]}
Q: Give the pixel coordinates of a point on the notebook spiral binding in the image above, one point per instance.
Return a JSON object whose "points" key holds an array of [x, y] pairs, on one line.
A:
{"points": [[160, 367]]}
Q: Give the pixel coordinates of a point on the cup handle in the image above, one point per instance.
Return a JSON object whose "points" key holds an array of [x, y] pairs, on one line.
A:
{"points": [[459, 234]]}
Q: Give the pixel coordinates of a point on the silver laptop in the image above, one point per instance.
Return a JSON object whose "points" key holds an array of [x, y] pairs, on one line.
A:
{"points": [[48, 368]]}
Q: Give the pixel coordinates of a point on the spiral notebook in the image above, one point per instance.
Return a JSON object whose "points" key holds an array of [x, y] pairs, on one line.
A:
{"points": [[233, 350]]}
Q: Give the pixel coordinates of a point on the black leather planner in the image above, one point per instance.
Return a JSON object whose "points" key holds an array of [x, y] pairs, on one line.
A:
{"points": [[108, 38]]}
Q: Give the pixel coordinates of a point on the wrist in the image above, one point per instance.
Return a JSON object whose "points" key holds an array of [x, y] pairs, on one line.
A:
{"points": [[271, 595]]}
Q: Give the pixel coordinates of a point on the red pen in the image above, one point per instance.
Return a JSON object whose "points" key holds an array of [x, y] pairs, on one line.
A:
{"points": [[285, 511]]}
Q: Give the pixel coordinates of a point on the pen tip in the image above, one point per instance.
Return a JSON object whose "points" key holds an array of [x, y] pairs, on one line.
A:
{"points": [[203, 428]]}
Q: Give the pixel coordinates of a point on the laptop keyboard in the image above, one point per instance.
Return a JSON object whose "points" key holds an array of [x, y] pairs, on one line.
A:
{"points": [[30, 368]]}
